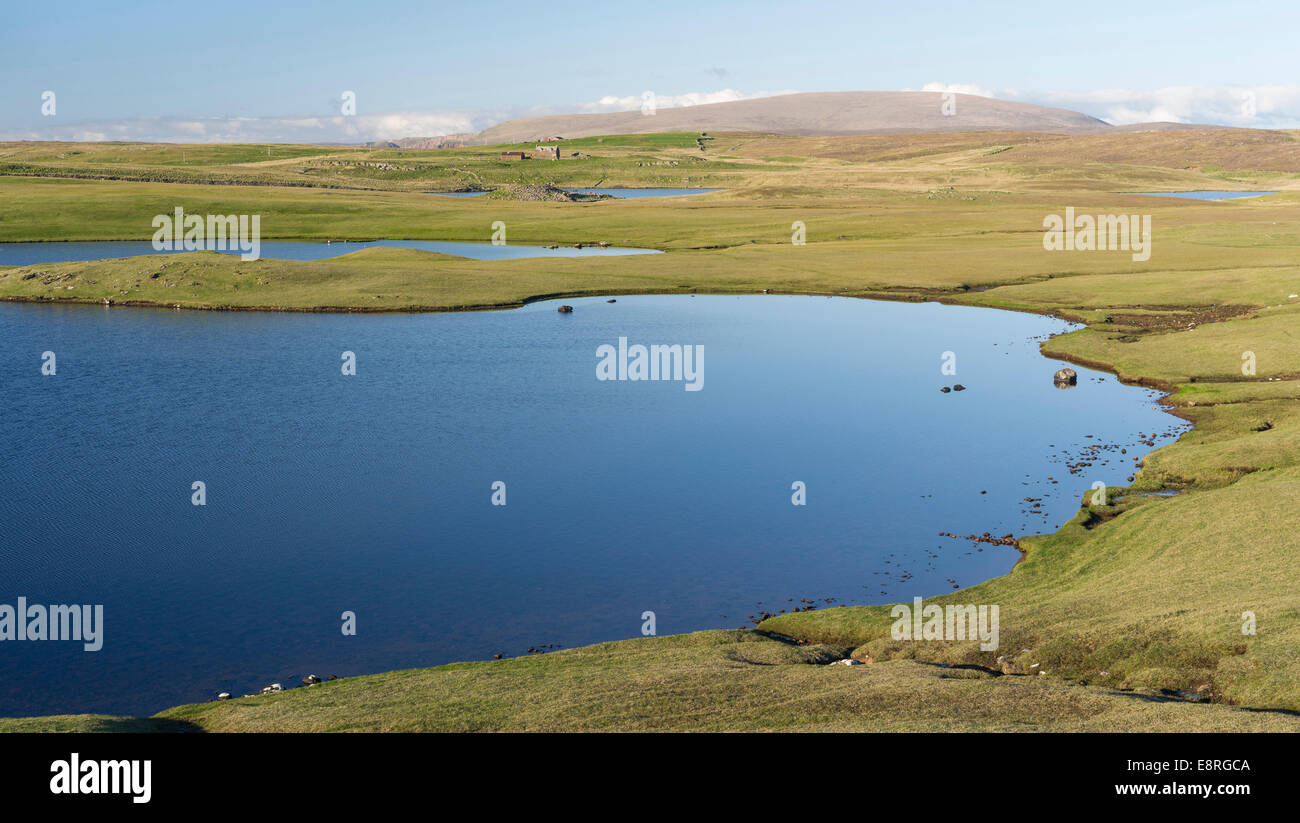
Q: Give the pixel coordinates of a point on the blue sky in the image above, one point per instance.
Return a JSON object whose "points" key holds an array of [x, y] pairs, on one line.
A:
{"points": [[241, 70]]}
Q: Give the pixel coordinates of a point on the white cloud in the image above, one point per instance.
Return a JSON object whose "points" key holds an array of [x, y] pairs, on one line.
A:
{"points": [[959, 88], [1264, 106], [1275, 106], [632, 102], [360, 128]]}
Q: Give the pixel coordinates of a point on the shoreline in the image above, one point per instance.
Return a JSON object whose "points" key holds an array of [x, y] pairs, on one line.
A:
{"points": [[1022, 551], [943, 298]]}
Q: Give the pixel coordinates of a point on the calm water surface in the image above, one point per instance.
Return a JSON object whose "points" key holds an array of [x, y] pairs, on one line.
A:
{"points": [[637, 193], [30, 254], [371, 493], [1204, 195]]}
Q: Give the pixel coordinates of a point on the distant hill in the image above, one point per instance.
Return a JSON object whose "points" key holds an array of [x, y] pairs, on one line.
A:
{"points": [[816, 113], [446, 141], [819, 113]]}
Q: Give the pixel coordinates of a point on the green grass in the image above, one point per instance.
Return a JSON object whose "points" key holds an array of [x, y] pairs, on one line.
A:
{"points": [[637, 160], [707, 681], [1124, 606]]}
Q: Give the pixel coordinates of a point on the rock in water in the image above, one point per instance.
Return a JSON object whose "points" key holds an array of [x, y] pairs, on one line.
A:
{"points": [[565, 309], [1064, 378]]}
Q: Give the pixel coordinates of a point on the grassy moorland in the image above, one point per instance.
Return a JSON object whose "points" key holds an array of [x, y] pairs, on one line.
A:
{"points": [[633, 159], [1107, 624]]}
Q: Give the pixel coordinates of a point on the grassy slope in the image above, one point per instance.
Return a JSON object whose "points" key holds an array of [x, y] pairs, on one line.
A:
{"points": [[1125, 601], [647, 160], [878, 240], [713, 681]]}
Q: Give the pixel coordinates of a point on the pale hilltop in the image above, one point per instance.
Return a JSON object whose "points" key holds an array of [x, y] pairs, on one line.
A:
{"points": [[819, 113]]}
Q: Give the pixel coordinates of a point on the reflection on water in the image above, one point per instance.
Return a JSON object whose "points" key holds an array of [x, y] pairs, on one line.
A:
{"points": [[372, 493]]}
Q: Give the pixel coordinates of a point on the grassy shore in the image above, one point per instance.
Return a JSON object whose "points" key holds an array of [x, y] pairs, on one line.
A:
{"points": [[707, 681], [1110, 623]]}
